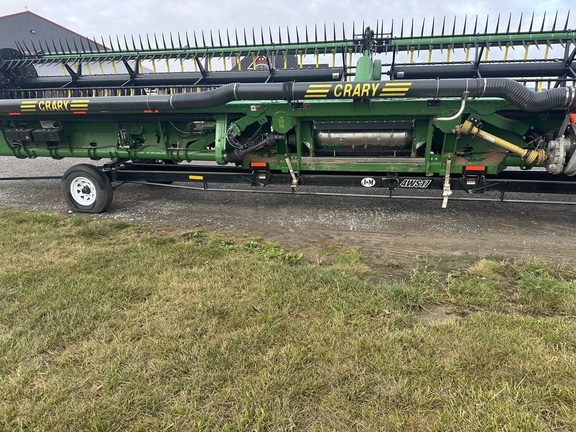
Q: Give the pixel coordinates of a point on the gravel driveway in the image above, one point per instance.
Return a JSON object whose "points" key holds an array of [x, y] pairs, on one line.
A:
{"points": [[397, 231]]}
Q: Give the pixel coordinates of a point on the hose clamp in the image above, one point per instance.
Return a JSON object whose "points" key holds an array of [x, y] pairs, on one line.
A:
{"points": [[170, 102], [570, 95], [288, 91], [234, 86]]}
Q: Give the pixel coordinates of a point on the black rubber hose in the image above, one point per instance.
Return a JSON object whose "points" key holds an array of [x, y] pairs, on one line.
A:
{"points": [[237, 155], [504, 88], [528, 100]]}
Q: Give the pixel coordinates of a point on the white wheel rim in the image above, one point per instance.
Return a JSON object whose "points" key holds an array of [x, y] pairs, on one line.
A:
{"points": [[83, 191]]}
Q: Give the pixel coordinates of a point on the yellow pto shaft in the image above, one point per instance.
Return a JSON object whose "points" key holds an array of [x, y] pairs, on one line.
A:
{"points": [[531, 156]]}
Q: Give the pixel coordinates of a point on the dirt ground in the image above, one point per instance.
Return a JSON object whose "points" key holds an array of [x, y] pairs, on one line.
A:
{"points": [[392, 232]]}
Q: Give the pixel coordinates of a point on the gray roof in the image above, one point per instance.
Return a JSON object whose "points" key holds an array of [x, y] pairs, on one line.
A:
{"points": [[33, 33]]}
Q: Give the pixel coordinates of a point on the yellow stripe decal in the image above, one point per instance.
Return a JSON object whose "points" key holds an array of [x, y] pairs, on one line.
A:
{"points": [[195, 177], [317, 91], [395, 89], [28, 106], [392, 94]]}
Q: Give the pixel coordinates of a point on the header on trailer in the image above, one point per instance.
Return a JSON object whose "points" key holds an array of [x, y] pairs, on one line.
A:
{"points": [[479, 110]]}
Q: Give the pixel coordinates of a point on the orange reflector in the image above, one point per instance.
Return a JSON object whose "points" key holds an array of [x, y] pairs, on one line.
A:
{"points": [[258, 164], [193, 177], [573, 119], [475, 168]]}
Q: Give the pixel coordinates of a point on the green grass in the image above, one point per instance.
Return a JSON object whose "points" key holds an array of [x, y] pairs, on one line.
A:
{"points": [[112, 326]]}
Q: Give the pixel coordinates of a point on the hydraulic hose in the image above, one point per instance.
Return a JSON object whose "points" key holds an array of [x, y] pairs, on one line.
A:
{"points": [[238, 154]]}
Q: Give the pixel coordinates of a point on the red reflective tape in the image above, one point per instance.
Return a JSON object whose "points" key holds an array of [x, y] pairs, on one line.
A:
{"points": [[258, 164], [151, 111], [14, 113], [475, 168], [78, 112]]}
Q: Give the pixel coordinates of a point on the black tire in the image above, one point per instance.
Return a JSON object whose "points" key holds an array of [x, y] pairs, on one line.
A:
{"points": [[87, 189]]}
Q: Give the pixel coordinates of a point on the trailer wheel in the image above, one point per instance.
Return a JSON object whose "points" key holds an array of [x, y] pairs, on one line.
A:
{"points": [[87, 189]]}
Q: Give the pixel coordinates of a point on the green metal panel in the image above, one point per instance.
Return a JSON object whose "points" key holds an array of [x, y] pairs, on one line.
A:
{"points": [[139, 137]]}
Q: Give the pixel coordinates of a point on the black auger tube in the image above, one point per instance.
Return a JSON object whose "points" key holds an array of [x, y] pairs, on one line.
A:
{"points": [[208, 99], [175, 79], [232, 92], [507, 89], [470, 70]]}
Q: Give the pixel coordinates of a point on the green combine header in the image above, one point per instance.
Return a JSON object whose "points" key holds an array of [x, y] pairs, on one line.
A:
{"points": [[473, 110]]}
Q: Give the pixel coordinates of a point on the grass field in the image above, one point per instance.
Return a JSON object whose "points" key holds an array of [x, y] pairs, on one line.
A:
{"points": [[111, 326]]}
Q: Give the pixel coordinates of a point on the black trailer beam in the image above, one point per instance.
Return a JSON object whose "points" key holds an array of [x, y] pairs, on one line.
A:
{"points": [[514, 181]]}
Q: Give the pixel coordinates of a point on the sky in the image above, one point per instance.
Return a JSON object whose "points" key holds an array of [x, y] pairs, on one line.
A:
{"points": [[96, 18]]}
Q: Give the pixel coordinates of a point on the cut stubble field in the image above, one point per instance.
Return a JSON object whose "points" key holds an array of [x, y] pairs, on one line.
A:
{"points": [[116, 326]]}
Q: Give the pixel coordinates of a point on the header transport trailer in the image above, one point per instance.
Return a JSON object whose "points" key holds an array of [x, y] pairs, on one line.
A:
{"points": [[474, 111]]}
